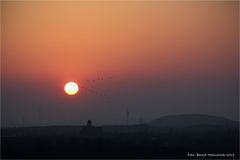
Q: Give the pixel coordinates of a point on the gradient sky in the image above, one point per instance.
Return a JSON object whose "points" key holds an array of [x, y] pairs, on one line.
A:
{"points": [[164, 58]]}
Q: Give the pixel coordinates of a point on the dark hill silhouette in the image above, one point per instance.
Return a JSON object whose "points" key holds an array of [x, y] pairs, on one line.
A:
{"points": [[192, 123], [187, 120], [168, 137]]}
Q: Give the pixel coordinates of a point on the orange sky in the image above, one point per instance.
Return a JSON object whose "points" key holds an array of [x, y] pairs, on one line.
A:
{"points": [[165, 58], [79, 40]]}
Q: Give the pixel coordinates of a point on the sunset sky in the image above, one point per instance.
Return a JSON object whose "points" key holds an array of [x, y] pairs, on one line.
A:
{"points": [[163, 58]]}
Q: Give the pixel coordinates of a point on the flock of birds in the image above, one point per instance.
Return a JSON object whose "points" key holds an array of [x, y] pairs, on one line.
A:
{"points": [[105, 96], [95, 92]]}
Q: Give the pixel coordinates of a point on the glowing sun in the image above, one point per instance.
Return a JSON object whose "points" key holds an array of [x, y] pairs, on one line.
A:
{"points": [[71, 88]]}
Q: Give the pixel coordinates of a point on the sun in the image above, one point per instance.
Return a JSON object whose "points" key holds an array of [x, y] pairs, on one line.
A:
{"points": [[71, 88]]}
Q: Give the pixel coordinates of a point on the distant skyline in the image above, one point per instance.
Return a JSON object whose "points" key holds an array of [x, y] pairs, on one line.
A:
{"points": [[163, 58]]}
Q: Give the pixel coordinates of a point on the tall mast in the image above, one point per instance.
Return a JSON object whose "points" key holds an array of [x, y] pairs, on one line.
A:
{"points": [[127, 116]]}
